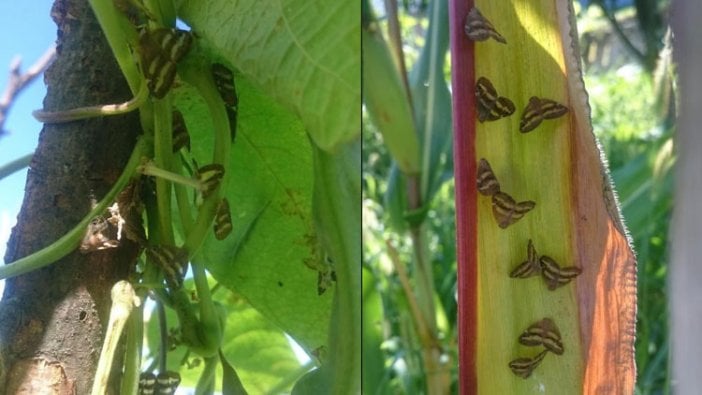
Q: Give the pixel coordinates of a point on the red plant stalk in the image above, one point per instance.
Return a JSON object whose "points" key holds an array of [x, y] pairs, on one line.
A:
{"points": [[465, 172]]}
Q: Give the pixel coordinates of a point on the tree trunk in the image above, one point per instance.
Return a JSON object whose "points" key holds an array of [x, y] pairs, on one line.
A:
{"points": [[685, 269], [52, 320]]}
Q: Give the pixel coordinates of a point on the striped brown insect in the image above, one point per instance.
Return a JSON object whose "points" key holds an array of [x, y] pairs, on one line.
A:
{"points": [[224, 81], [172, 260], [524, 367], [530, 267], [507, 211], [223, 220], [181, 137], [543, 333], [556, 276], [167, 382], [491, 106], [487, 182], [160, 51], [478, 28], [538, 110], [210, 177], [147, 383]]}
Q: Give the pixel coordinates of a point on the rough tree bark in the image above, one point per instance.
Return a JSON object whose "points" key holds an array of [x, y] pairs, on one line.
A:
{"points": [[52, 320]]}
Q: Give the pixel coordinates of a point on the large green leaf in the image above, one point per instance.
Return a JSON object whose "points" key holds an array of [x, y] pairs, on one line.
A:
{"points": [[305, 54], [268, 256]]}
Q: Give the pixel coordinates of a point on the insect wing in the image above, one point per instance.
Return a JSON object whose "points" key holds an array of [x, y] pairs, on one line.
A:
{"points": [[147, 383], [167, 383], [223, 220], [530, 267], [554, 275], [539, 109], [524, 367], [487, 182], [570, 272], [543, 333], [491, 107], [181, 137], [507, 211], [173, 262], [224, 81], [210, 177], [478, 28], [160, 50]]}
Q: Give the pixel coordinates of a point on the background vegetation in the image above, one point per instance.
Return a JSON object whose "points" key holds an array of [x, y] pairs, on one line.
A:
{"points": [[630, 79]]}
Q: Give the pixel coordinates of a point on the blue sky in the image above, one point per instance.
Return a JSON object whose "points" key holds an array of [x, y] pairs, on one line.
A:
{"points": [[27, 31]]}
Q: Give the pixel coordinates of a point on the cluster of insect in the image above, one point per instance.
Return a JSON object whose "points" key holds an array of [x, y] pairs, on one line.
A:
{"points": [[165, 383], [506, 210], [553, 274], [492, 106], [160, 50]]}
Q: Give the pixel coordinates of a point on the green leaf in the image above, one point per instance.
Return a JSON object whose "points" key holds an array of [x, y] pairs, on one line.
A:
{"points": [[258, 350], [256, 347], [312, 383], [374, 371], [432, 102], [305, 54], [231, 384], [270, 254], [337, 218]]}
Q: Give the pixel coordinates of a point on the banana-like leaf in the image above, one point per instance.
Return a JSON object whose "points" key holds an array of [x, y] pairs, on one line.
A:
{"points": [[520, 103]]}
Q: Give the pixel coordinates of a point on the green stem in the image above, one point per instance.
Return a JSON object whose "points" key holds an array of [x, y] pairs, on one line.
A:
{"points": [[16, 165], [163, 329], [123, 301], [132, 356], [163, 145], [192, 73], [337, 217], [183, 208], [122, 37], [150, 169], [210, 322], [76, 114], [70, 240], [205, 385]]}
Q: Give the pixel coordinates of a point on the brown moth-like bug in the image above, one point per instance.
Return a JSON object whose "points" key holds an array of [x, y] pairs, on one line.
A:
{"points": [[181, 137], [210, 176], [523, 367], [223, 220], [160, 50], [167, 382], [487, 182], [172, 260], [530, 267], [556, 276], [491, 106], [543, 333], [224, 81], [507, 211], [147, 383], [478, 28], [538, 110]]}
